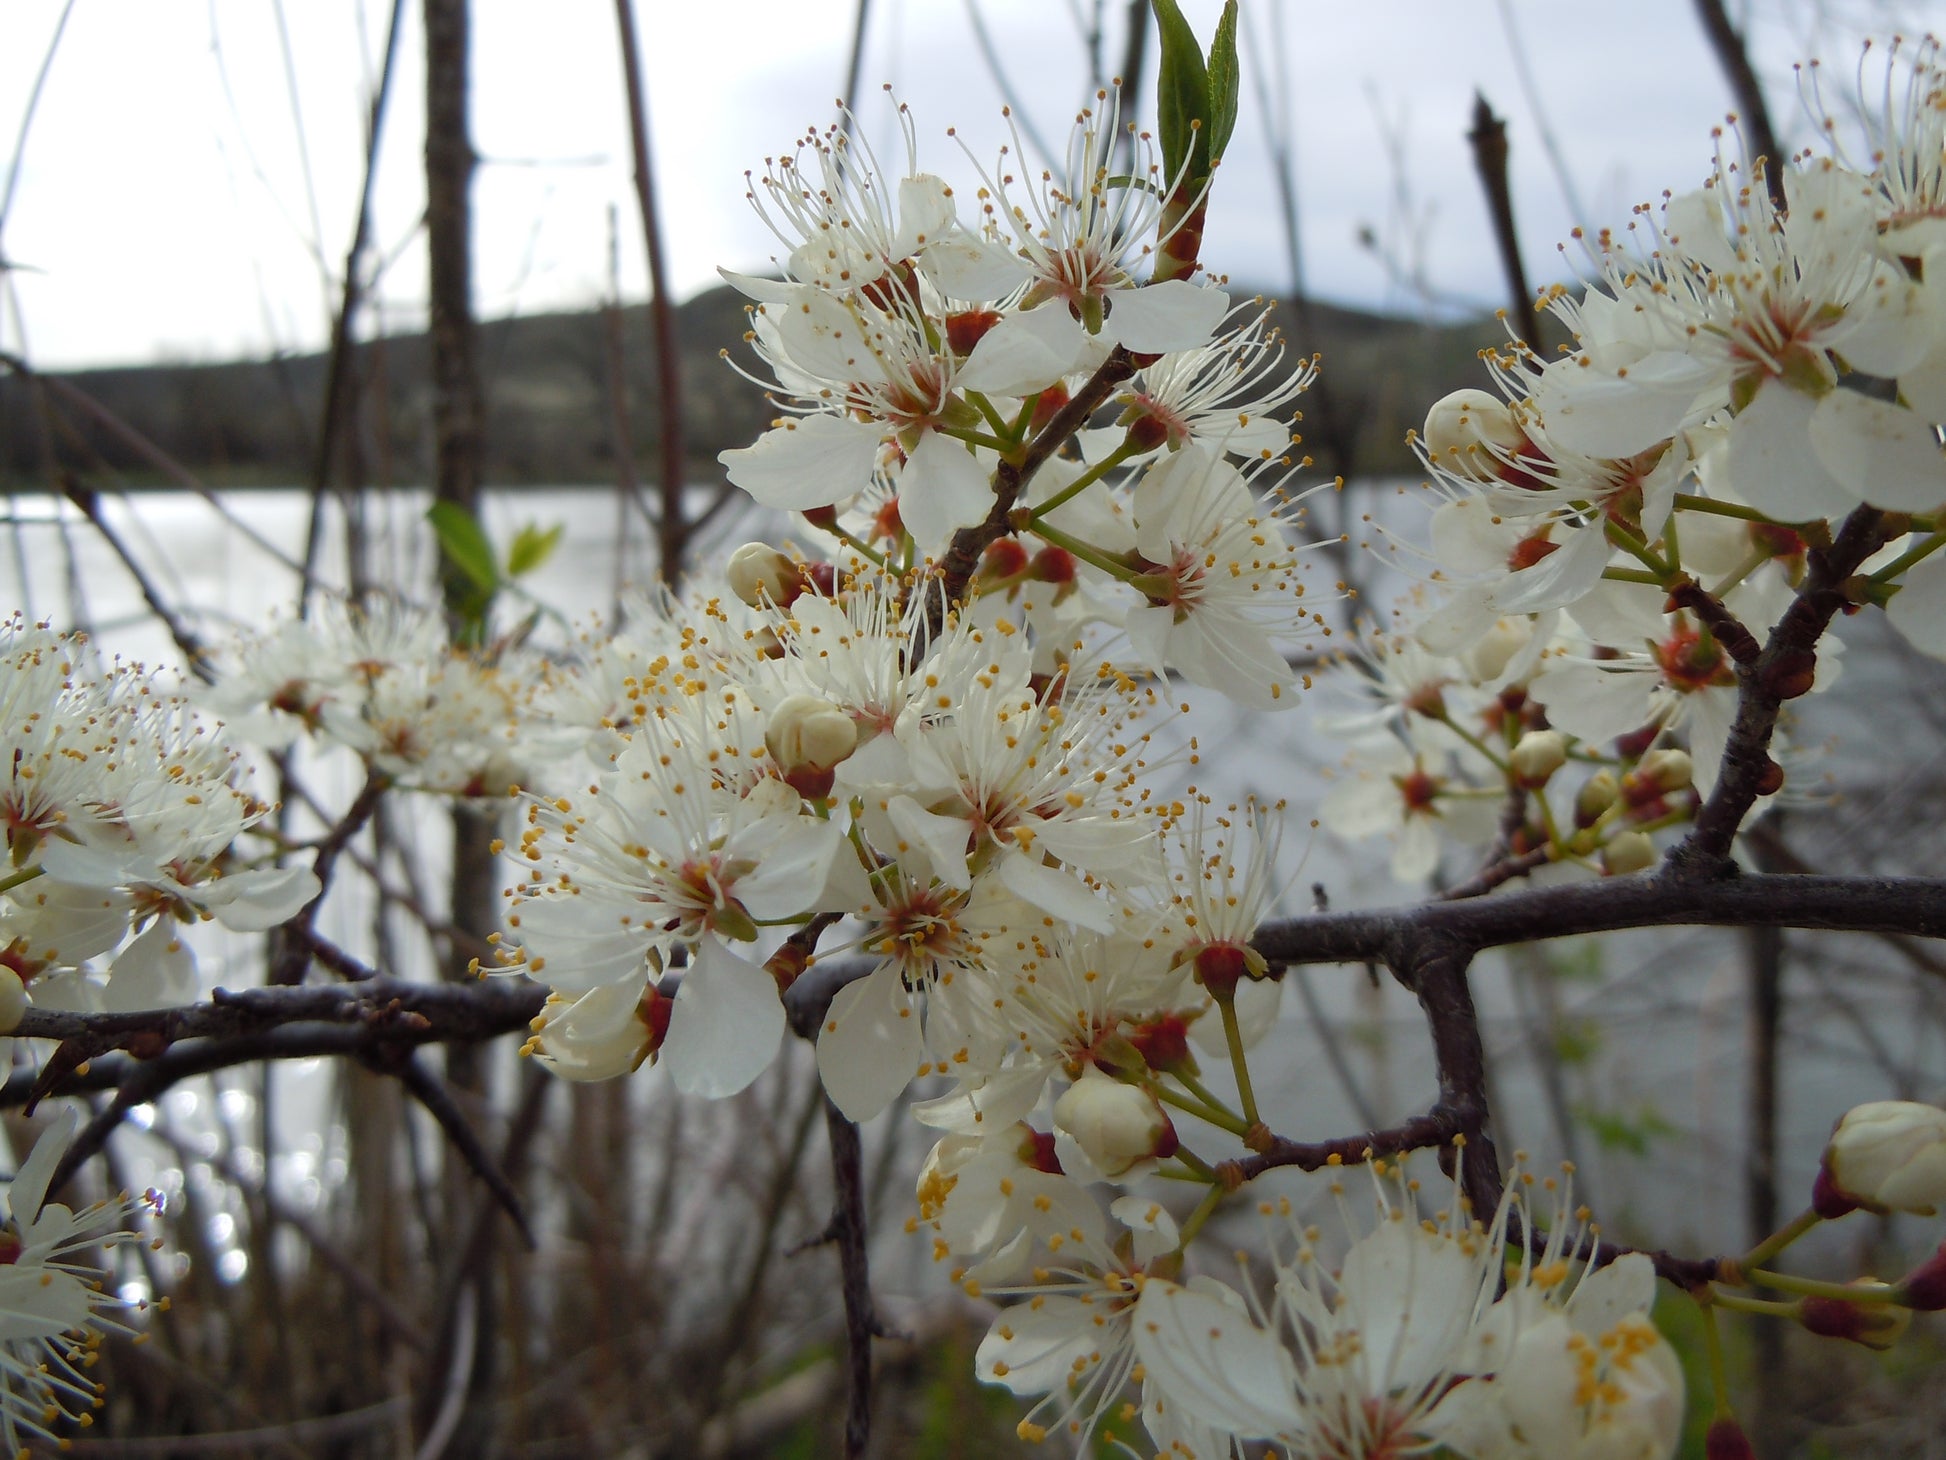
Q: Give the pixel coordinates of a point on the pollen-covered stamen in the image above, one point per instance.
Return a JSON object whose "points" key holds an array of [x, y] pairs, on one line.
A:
{"points": [[920, 931]]}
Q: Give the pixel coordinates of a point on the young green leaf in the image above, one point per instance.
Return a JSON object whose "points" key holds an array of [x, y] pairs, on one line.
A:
{"points": [[1181, 95], [1223, 82], [532, 546], [465, 543]]}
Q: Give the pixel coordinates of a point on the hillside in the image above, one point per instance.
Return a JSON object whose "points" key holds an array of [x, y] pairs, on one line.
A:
{"points": [[253, 422]]}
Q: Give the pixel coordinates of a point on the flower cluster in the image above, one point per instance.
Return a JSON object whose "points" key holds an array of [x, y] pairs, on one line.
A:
{"points": [[932, 366], [123, 815], [52, 1293], [1623, 529]]}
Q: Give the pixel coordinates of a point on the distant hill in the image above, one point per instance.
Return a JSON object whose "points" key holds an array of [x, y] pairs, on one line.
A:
{"points": [[254, 422]]}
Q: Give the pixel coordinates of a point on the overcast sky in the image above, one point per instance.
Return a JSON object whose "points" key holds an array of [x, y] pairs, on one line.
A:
{"points": [[161, 207]]}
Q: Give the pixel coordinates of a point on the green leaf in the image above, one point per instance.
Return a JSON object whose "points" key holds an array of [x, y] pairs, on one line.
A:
{"points": [[532, 546], [465, 543], [1181, 95], [1224, 78]]}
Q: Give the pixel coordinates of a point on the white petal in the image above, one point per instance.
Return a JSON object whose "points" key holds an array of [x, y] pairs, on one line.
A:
{"points": [[942, 488], [1024, 353], [967, 266], [811, 462], [1882, 453], [258, 900], [1172, 315], [1772, 465], [156, 971], [1918, 609], [925, 213], [1033, 1347], [945, 839], [1054, 891], [28, 1192], [871, 1044], [727, 1023], [578, 943], [1210, 1359], [1607, 413], [794, 862], [993, 1104]]}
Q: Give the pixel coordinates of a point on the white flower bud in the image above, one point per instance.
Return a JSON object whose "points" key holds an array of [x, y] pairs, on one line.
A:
{"points": [[1667, 770], [13, 1000], [1632, 851], [1115, 1125], [1596, 795], [1890, 1155], [758, 572], [1538, 755], [809, 733], [1459, 423], [1488, 659]]}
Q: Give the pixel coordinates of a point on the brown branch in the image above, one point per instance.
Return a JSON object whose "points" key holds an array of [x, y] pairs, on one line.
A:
{"points": [[1737, 641], [194, 654], [963, 556], [1752, 112], [293, 958], [672, 526], [431, 1092], [1784, 670], [1436, 1127], [861, 1318], [339, 393], [1489, 142]]}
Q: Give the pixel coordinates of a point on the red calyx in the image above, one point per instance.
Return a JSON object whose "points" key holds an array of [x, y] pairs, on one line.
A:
{"points": [[1726, 1440], [1529, 551], [1049, 404], [1038, 1151], [1052, 565], [1219, 966], [967, 328], [1005, 558], [1924, 1288], [1163, 1042]]}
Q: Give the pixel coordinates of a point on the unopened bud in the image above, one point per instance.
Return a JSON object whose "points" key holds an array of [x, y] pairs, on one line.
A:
{"points": [[1885, 1156], [1596, 795], [1115, 1125], [1632, 851], [758, 572], [1537, 756], [13, 1000], [807, 731], [1667, 770], [1460, 427], [1874, 1325]]}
